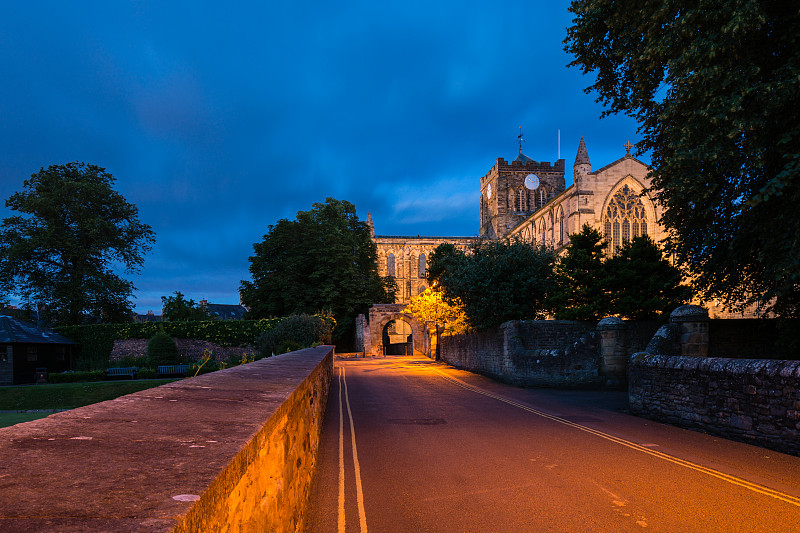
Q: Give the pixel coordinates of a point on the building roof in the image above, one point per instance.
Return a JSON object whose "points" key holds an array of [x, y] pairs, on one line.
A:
{"points": [[13, 330], [524, 159], [226, 311]]}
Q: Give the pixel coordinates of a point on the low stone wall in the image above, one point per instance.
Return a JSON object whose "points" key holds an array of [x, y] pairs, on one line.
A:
{"points": [[233, 450], [189, 349], [530, 353], [750, 400]]}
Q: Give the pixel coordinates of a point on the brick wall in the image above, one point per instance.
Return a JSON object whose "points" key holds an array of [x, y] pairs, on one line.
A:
{"points": [[750, 400]]}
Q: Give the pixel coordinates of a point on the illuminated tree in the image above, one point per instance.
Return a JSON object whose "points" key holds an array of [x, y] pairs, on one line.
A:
{"points": [[449, 318]]}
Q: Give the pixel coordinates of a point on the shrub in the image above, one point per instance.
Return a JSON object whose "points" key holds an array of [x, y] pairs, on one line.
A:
{"points": [[293, 333], [76, 377], [162, 350], [146, 373]]}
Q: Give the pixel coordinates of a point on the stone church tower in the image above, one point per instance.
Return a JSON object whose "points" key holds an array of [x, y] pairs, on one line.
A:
{"points": [[506, 199]]}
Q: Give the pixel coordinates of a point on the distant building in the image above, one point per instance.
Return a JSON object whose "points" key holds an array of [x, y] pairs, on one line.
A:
{"points": [[224, 311], [26, 348]]}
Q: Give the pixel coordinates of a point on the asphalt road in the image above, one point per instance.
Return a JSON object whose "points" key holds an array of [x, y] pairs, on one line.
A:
{"points": [[413, 445]]}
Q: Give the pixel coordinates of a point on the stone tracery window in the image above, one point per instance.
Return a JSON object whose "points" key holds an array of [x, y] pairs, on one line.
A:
{"points": [[542, 196], [423, 265], [521, 200], [625, 218], [560, 225], [390, 265]]}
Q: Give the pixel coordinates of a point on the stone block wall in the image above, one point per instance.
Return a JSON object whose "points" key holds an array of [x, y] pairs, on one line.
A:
{"points": [[750, 400], [538, 353], [189, 349], [229, 451]]}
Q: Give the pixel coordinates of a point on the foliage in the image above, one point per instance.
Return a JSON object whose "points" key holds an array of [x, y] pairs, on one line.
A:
{"points": [[431, 306], [293, 333], [580, 279], [162, 350], [496, 282], [715, 88], [76, 377], [641, 283], [176, 308], [325, 259], [61, 250], [97, 340]]}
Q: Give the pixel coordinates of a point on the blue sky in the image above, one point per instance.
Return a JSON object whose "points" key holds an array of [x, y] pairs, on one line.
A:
{"points": [[219, 120]]}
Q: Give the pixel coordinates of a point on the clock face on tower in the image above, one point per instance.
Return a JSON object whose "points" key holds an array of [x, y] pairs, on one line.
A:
{"points": [[489, 192], [532, 181]]}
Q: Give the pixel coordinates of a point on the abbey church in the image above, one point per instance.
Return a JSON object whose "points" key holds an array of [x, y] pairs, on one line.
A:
{"points": [[528, 200]]}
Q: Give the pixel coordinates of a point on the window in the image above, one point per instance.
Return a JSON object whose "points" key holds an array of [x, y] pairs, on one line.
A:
{"points": [[390, 264], [4, 354], [561, 236], [625, 212], [33, 354], [542, 231], [422, 266], [521, 200], [542, 196]]}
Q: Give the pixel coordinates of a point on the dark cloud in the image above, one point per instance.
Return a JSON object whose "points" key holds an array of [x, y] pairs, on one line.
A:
{"points": [[218, 120]]}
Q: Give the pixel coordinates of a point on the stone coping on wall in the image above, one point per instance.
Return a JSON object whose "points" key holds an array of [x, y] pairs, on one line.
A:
{"points": [[171, 458]]}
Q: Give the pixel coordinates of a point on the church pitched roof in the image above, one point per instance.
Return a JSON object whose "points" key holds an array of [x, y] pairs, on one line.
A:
{"points": [[582, 157], [524, 159]]}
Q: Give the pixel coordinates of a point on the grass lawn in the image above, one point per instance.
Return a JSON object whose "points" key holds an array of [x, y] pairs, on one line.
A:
{"points": [[9, 419], [69, 395]]}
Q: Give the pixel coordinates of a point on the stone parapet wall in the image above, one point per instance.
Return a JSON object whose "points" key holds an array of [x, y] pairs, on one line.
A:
{"points": [[232, 450], [750, 400], [553, 353]]}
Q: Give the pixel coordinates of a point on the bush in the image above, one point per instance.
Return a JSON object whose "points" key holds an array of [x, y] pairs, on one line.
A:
{"points": [[133, 361], [146, 373], [293, 333], [162, 350], [76, 377]]}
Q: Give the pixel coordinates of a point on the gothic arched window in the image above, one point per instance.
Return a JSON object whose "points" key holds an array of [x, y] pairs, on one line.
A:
{"points": [[542, 196], [561, 227], [625, 218], [390, 264], [423, 265], [521, 199]]}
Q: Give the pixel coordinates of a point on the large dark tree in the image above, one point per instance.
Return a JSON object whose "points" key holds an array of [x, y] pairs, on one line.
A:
{"points": [[72, 232], [496, 281], [641, 283], [580, 277], [715, 86], [325, 260]]}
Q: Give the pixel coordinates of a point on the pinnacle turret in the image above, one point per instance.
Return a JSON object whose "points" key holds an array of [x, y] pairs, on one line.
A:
{"points": [[582, 158]]}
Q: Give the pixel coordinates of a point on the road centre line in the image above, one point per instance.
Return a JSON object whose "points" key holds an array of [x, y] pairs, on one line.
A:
{"points": [[359, 491], [341, 520], [681, 462]]}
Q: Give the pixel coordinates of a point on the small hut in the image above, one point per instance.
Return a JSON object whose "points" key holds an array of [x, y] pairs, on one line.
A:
{"points": [[28, 353]]}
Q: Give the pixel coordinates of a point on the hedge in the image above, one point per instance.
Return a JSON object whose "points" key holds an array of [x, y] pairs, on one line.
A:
{"points": [[97, 340]]}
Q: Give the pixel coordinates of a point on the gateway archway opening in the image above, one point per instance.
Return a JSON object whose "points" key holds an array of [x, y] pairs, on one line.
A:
{"points": [[398, 338]]}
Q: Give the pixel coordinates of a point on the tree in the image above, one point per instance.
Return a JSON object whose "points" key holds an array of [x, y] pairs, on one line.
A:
{"points": [[325, 259], [581, 292], [72, 231], [176, 308], [641, 283], [449, 318], [714, 87], [496, 282]]}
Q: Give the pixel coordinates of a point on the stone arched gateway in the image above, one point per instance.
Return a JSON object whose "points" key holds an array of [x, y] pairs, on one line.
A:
{"points": [[379, 316]]}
